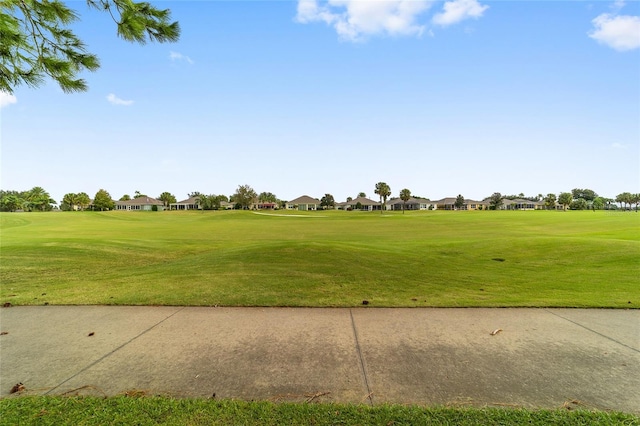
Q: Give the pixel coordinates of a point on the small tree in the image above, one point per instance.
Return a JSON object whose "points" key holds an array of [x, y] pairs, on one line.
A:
{"points": [[579, 204], [10, 201], [203, 202], [598, 203], [635, 199], [69, 201], [267, 197], [495, 201], [459, 203], [550, 201], [405, 195], [244, 196], [621, 198], [327, 201], [37, 199], [167, 198], [383, 190], [565, 198], [586, 194], [103, 201], [125, 197], [83, 200], [362, 194]]}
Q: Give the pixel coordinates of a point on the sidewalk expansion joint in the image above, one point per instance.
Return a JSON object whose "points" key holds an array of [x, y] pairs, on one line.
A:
{"points": [[361, 358], [111, 352], [593, 331]]}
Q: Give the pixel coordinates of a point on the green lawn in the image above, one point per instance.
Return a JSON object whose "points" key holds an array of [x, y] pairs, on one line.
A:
{"points": [[168, 411], [235, 258]]}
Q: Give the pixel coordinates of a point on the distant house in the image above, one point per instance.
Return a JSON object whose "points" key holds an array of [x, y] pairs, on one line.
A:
{"points": [[77, 208], [140, 203], [303, 203], [225, 205], [360, 203], [411, 204], [476, 205], [266, 205], [522, 204], [191, 203], [449, 203]]}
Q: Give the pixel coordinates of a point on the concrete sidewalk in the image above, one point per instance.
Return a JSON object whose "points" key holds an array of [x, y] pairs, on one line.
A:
{"points": [[542, 358]]}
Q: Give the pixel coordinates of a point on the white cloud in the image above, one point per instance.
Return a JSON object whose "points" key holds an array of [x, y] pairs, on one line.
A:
{"points": [[620, 32], [113, 99], [176, 56], [355, 20], [458, 10], [617, 145], [7, 99], [617, 5]]}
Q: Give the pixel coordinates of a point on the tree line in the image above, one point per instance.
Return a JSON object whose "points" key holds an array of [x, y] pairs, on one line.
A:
{"points": [[38, 199]]}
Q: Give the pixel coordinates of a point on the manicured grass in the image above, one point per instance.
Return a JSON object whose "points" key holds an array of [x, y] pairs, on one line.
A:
{"points": [[168, 411], [234, 258]]}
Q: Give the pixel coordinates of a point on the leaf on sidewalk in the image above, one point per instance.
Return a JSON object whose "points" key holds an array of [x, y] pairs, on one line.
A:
{"points": [[18, 387]]}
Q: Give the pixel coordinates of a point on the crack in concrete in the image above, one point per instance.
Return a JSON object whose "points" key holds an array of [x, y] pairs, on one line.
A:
{"points": [[102, 358], [593, 331], [361, 358]]}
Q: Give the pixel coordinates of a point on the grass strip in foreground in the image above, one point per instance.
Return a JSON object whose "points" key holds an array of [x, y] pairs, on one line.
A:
{"points": [[169, 411]]}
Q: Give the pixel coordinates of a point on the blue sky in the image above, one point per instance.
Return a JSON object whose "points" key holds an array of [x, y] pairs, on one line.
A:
{"points": [[444, 98]]}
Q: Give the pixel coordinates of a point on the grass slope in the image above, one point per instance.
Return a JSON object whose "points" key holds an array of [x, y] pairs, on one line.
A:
{"points": [[444, 259]]}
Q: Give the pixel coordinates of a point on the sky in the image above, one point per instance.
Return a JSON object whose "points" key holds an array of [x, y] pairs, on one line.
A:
{"points": [[465, 97]]}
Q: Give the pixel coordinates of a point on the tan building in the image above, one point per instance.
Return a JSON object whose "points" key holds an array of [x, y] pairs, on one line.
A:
{"points": [[140, 204], [303, 203]]}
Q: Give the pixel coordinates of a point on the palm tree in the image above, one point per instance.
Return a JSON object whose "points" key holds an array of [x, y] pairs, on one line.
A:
{"points": [[38, 199], [635, 199], [167, 198], [405, 194], [71, 200], [383, 190], [625, 198], [565, 198], [83, 200]]}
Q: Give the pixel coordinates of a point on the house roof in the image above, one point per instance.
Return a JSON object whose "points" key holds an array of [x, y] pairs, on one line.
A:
{"points": [[190, 200], [521, 201], [447, 200], [140, 201], [411, 200], [452, 200], [362, 200], [305, 199]]}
